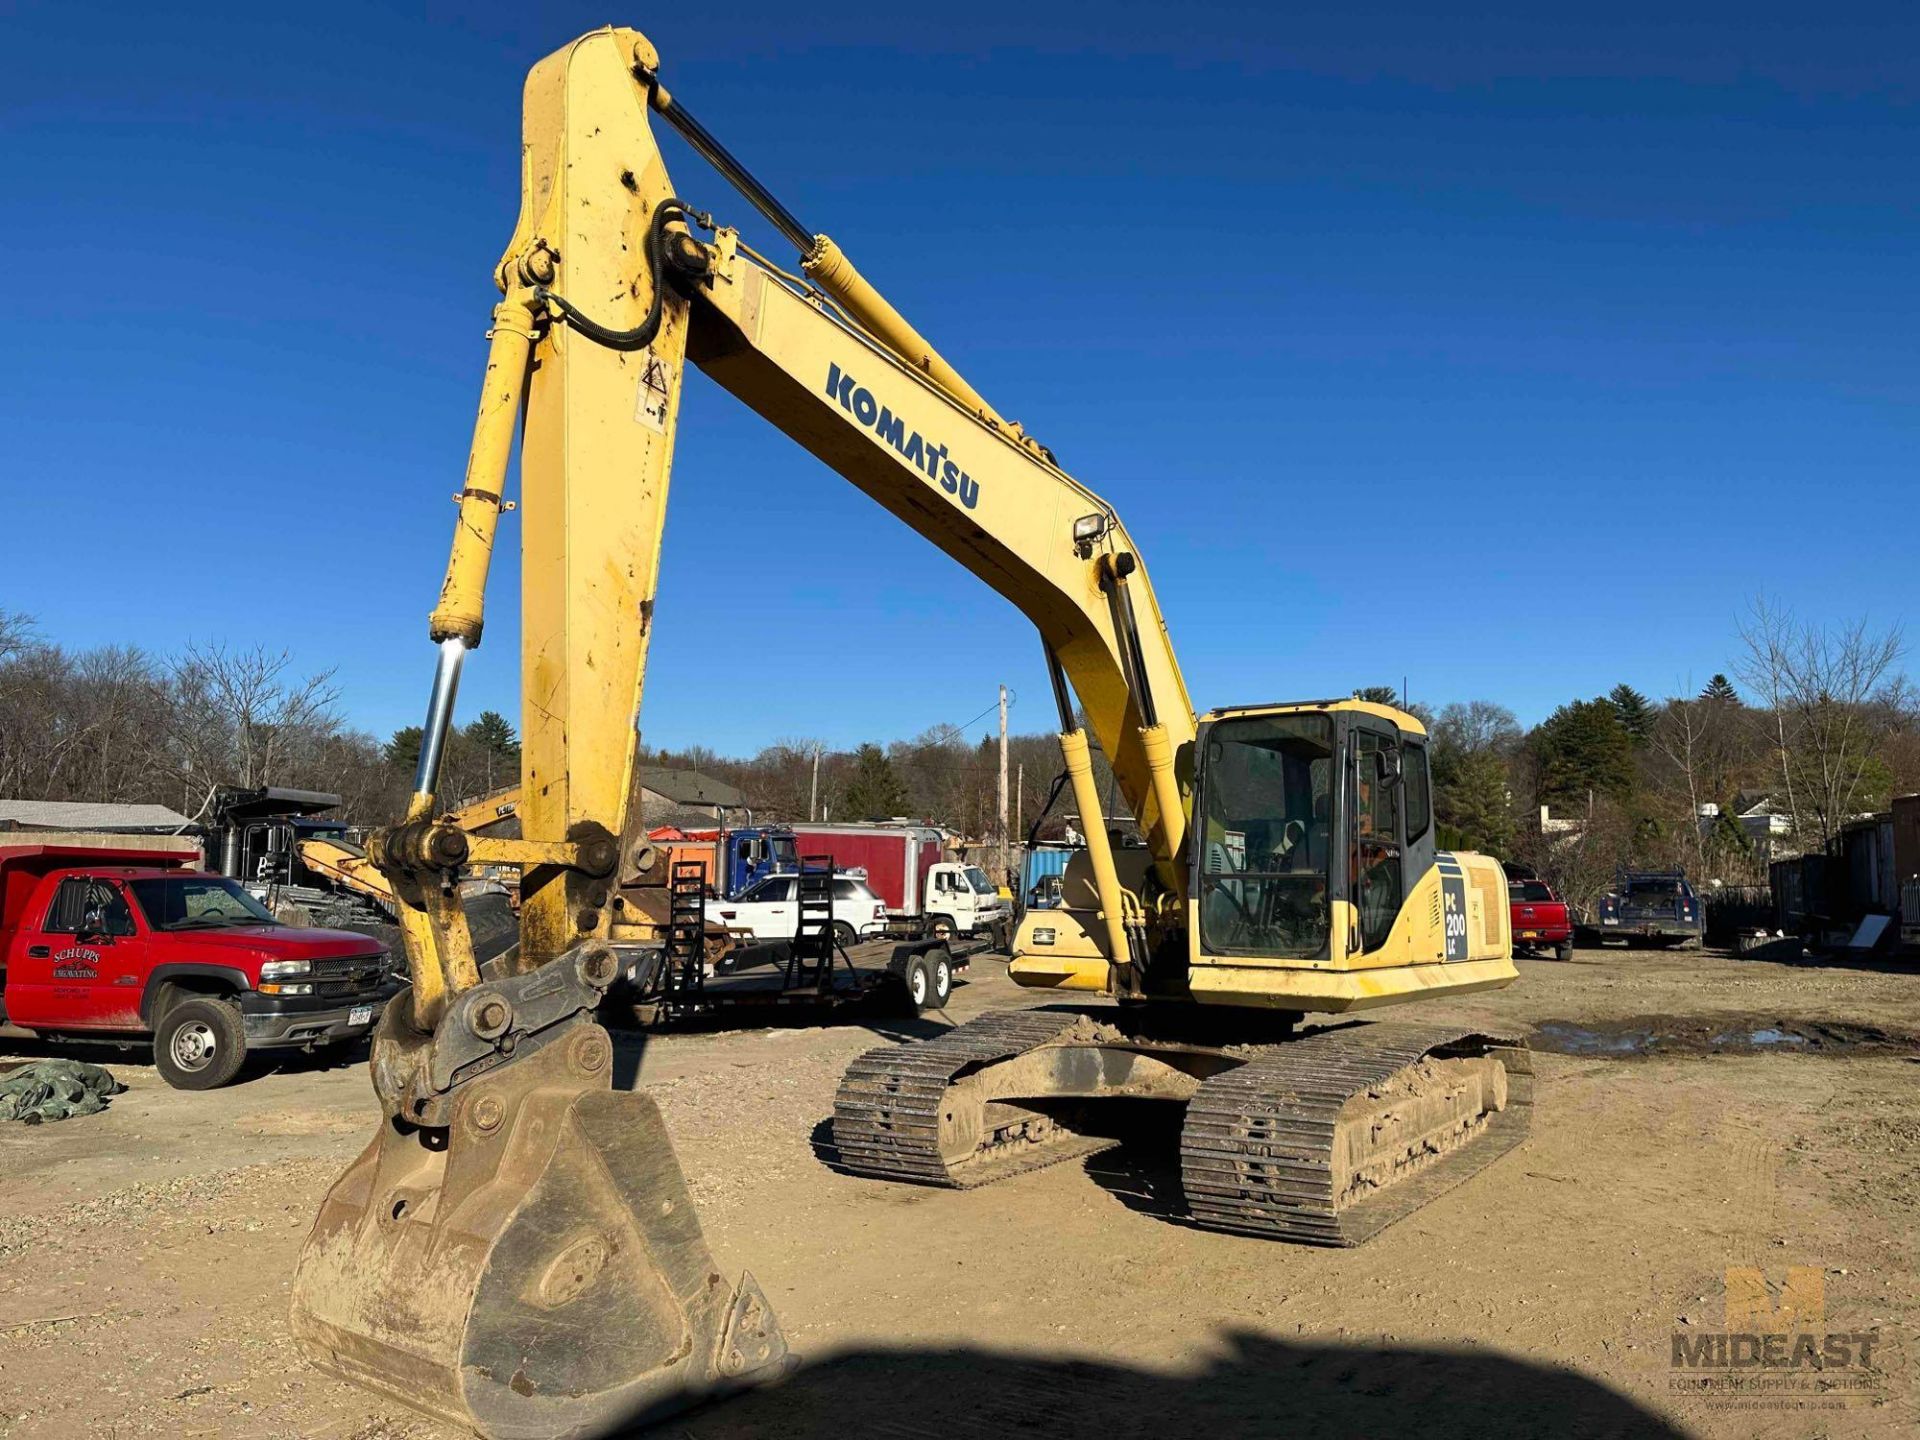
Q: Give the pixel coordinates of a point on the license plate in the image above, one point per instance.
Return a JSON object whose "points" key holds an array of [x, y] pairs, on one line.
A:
{"points": [[1529, 934], [360, 1015]]}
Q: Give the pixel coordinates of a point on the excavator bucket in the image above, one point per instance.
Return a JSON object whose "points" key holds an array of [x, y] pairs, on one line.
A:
{"points": [[533, 1268]]}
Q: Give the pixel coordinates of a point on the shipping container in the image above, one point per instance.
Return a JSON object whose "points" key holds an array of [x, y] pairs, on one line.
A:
{"points": [[1042, 863], [1906, 864]]}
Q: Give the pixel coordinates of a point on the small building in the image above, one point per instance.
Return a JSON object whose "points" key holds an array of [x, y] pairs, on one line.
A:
{"points": [[686, 798], [1767, 826], [1551, 824]]}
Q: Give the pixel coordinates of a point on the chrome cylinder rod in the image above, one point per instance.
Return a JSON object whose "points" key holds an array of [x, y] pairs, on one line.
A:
{"points": [[433, 735]]}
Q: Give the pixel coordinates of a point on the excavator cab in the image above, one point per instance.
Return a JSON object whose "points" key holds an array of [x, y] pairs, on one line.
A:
{"points": [[1362, 908], [1313, 877], [1308, 812]]}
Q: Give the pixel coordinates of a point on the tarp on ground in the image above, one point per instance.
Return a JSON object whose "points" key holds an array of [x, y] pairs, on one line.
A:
{"points": [[55, 1090]]}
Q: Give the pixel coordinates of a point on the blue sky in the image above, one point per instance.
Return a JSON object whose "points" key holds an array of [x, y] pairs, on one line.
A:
{"points": [[1512, 353]]}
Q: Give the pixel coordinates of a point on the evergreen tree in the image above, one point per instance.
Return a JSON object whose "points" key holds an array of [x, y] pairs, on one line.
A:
{"points": [[1378, 694], [1635, 712], [1720, 689], [403, 750], [1583, 749], [492, 732], [1478, 814], [498, 759], [874, 789]]}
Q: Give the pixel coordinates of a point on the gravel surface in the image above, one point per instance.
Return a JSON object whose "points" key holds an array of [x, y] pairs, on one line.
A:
{"points": [[145, 1253]]}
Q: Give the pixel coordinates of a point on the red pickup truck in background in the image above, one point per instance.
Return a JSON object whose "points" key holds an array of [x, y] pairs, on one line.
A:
{"points": [[1540, 919], [102, 943]]}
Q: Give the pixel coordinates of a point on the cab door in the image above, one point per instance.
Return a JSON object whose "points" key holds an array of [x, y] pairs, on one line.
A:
{"points": [[1376, 877], [1390, 831], [94, 959]]}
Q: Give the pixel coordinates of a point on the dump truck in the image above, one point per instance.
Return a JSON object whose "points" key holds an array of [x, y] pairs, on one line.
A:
{"points": [[121, 944]]}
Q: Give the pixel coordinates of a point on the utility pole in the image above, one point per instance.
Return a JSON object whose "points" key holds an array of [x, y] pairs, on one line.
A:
{"points": [[1019, 806], [813, 790], [1003, 784]]}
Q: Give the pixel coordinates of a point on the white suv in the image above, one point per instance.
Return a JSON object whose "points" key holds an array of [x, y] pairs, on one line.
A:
{"points": [[771, 910]]}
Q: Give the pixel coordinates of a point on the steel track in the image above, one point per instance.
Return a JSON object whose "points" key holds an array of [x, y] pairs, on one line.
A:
{"points": [[1256, 1146]]}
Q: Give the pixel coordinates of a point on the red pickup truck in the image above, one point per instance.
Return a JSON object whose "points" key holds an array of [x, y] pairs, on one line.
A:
{"points": [[104, 943], [1540, 918]]}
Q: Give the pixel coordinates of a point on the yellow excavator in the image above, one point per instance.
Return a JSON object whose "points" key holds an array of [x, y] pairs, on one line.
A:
{"points": [[516, 1250]]}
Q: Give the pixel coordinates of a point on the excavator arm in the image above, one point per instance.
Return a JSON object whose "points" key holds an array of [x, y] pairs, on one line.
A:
{"points": [[609, 294], [513, 1216]]}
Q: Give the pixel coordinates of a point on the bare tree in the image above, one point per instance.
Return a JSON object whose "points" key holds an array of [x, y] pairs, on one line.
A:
{"points": [[1475, 726], [1833, 695], [1679, 735], [241, 718]]}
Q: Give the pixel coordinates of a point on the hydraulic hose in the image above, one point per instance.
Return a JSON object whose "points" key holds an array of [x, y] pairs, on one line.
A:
{"points": [[641, 335]]}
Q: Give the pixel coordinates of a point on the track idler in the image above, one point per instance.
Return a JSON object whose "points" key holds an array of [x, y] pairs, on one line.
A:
{"points": [[516, 1251]]}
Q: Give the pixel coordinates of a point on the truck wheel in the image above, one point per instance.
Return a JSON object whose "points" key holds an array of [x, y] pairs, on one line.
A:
{"points": [[199, 1045], [940, 927], [1564, 950], [940, 963], [918, 979], [843, 935]]}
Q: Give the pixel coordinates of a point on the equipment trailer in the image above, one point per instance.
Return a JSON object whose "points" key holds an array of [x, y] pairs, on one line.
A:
{"points": [[907, 969]]}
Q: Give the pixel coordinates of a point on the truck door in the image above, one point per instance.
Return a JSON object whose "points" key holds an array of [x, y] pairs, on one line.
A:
{"points": [[952, 896], [777, 917], [86, 962]]}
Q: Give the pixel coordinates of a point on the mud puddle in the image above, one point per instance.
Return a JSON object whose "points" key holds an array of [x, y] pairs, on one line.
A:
{"points": [[1718, 1035]]}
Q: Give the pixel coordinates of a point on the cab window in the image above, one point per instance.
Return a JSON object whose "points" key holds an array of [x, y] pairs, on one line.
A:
{"points": [[1419, 793], [1266, 830], [78, 899]]}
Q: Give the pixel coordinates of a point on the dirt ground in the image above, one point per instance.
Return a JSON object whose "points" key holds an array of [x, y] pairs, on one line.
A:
{"points": [[145, 1254]]}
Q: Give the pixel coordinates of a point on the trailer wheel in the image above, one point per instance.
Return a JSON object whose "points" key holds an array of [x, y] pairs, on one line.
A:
{"points": [[918, 979], [199, 1044], [940, 963]]}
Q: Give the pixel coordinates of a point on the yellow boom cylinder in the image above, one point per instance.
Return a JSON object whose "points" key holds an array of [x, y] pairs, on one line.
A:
{"points": [[461, 613], [1106, 880], [1166, 796], [830, 269]]}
